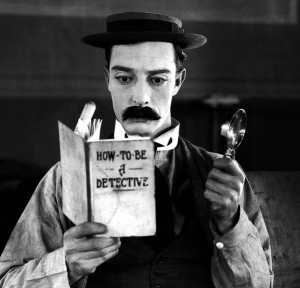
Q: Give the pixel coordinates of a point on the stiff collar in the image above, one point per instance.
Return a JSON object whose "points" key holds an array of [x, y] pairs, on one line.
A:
{"points": [[167, 139]]}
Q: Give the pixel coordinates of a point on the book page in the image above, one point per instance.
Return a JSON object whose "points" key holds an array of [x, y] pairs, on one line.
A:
{"points": [[72, 153], [122, 181]]}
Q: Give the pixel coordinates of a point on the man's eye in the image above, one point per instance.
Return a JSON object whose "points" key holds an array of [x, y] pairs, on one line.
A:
{"points": [[124, 79], [157, 81]]}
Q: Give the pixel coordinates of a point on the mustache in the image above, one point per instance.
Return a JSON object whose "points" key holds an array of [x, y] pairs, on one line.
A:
{"points": [[137, 112]]}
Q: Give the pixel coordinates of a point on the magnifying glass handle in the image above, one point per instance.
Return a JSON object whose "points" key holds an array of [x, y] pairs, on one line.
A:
{"points": [[230, 153]]}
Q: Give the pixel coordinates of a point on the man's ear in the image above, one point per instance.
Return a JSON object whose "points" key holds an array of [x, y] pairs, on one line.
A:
{"points": [[180, 77], [106, 74]]}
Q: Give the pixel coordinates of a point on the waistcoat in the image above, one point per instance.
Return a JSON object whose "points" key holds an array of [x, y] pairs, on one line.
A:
{"points": [[185, 261]]}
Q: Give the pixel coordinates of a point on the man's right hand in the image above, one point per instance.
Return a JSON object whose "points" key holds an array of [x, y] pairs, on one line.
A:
{"points": [[83, 253]]}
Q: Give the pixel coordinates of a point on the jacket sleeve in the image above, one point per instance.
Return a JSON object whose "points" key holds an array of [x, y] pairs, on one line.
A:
{"points": [[242, 256], [33, 256]]}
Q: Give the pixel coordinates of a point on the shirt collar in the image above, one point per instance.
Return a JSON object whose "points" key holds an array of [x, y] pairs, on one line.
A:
{"points": [[167, 140]]}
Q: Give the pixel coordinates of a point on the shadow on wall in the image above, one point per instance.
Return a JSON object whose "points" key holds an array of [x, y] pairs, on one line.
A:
{"points": [[11, 204]]}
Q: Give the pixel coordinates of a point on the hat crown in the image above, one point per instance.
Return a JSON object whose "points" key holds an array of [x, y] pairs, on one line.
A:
{"points": [[133, 27], [143, 16], [139, 22]]}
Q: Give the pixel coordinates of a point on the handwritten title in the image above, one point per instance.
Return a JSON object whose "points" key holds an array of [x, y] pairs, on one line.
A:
{"points": [[131, 163]]}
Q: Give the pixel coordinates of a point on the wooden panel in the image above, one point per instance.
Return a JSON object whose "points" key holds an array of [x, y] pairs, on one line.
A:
{"points": [[279, 198], [258, 11], [42, 57]]}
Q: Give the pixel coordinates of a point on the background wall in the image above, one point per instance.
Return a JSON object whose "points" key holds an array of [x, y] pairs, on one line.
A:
{"points": [[251, 60], [252, 56]]}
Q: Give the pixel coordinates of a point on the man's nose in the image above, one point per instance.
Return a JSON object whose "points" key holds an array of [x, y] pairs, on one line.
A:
{"points": [[141, 93]]}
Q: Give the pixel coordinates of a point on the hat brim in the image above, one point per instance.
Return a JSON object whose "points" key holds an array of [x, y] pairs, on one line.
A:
{"points": [[184, 40]]}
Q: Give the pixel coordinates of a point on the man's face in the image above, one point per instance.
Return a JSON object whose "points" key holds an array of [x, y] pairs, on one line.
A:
{"points": [[139, 76]]}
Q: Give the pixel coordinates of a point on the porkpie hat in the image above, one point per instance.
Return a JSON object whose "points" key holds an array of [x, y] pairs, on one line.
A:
{"points": [[133, 27]]}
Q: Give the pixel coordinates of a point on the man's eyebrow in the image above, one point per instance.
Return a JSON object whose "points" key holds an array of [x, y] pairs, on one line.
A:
{"points": [[150, 72], [121, 68], [159, 71]]}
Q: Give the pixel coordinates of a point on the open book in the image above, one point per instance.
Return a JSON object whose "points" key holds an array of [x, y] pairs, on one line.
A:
{"points": [[110, 182]]}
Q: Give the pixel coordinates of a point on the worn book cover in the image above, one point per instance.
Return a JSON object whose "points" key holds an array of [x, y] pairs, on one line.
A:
{"points": [[110, 182]]}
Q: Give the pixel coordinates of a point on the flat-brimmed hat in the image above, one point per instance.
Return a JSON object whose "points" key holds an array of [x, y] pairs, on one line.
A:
{"points": [[133, 27]]}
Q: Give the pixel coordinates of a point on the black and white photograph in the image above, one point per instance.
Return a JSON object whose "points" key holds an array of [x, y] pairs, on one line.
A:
{"points": [[150, 144]]}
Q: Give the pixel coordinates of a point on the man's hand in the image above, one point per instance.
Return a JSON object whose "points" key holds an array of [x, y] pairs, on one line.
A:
{"points": [[83, 253], [224, 187]]}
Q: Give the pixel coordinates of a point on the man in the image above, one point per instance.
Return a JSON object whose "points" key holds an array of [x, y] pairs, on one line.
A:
{"points": [[215, 235]]}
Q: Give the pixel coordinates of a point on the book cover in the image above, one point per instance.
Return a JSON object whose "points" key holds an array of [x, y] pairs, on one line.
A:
{"points": [[110, 182]]}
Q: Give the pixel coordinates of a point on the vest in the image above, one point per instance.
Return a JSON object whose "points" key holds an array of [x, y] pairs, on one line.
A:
{"points": [[185, 261]]}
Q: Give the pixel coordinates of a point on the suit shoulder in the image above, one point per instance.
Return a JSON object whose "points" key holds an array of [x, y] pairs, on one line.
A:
{"points": [[196, 150]]}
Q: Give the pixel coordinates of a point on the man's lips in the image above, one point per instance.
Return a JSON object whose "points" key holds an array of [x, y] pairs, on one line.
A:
{"points": [[139, 119]]}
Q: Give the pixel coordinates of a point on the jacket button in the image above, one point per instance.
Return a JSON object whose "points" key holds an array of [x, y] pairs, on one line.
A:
{"points": [[157, 273], [219, 245]]}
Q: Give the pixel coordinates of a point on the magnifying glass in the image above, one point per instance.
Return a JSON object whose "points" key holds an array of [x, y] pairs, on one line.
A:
{"points": [[234, 132]]}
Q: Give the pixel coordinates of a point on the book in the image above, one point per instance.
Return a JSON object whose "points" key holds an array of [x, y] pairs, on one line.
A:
{"points": [[110, 182]]}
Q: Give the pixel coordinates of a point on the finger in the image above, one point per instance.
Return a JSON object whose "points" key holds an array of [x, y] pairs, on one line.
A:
{"points": [[91, 244], [228, 194], [86, 229], [89, 266], [223, 189], [215, 198], [229, 166], [220, 176], [223, 184], [96, 254], [219, 205]]}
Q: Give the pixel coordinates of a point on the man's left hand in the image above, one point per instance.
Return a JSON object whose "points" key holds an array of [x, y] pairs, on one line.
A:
{"points": [[224, 187]]}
